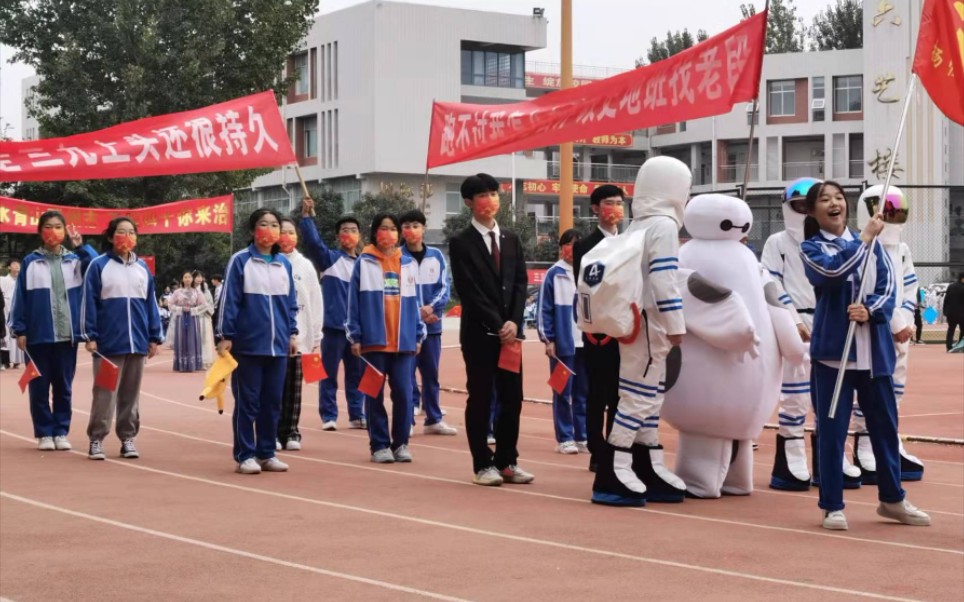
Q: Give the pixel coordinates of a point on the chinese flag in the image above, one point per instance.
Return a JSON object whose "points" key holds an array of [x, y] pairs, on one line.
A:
{"points": [[510, 357], [372, 381], [29, 373], [312, 370], [939, 59], [107, 375], [560, 378]]}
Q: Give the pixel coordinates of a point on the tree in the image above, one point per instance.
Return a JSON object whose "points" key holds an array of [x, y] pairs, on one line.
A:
{"points": [[839, 27], [673, 44], [785, 31], [393, 199], [119, 60]]}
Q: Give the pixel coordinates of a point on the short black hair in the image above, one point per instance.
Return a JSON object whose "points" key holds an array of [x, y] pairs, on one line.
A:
{"points": [[48, 215], [413, 215], [569, 236], [347, 219], [218, 277], [377, 222], [480, 183], [604, 192]]}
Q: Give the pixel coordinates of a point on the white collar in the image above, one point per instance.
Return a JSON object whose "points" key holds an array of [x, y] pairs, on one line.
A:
{"points": [[607, 233], [562, 264], [847, 235], [485, 231]]}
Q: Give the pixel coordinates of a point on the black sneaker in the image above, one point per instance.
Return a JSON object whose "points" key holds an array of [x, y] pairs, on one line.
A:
{"points": [[128, 450], [96, 451]]}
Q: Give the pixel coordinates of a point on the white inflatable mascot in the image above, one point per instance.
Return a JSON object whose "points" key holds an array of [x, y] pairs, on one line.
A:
{"points": [[901, 325], [728, 386]]}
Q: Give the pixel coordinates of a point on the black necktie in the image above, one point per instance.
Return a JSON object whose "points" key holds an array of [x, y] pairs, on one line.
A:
{"points": [[496, 254]]}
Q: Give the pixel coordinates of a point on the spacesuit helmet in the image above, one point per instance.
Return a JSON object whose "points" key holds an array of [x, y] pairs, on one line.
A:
{"points": [[717, 217], [662, 188], [894, 210], [795, 206]]}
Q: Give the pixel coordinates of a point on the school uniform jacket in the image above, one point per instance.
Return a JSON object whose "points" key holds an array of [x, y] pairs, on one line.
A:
{"points": [[30, 310], [366, 304], [555, 318], [833, 267], [336, 267], [119, 309], [433, 284], [310, 305], [259, 304]]}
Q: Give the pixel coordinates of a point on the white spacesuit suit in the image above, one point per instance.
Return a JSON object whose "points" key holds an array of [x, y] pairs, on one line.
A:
{"points": [[911, 468]]}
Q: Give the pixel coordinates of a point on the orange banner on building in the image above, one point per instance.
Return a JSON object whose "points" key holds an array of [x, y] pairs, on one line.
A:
{"points": [[548, 81], [552, 187], [215, 214], [621, 140]]}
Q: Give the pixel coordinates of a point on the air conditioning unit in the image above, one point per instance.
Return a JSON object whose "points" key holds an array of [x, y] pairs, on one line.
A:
{"points": [[818, 103], [749, 107]]}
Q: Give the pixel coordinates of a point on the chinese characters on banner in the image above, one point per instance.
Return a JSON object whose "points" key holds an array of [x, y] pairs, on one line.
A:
{"points": [[244, 133], [548, 81], [707, 79], [623, 140], [536, 276], [552, 187], [215, 214], [939, 57]]}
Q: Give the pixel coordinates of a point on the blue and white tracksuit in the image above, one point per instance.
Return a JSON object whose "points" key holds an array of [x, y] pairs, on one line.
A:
{"points": [[435, 289], [258, 314], [833, 267], [335, 266], [31, 315], [557, 325]]}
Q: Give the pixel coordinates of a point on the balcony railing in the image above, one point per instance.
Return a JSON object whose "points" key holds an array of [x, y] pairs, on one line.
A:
{"points": [[803, 169], [857, 169], [734, 173], [599, 172], [578, 71]]}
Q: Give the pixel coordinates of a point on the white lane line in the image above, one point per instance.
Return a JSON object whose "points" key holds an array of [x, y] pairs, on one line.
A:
{"points": [[902, 416], [500, 535], [233, 551], [520, 491]]}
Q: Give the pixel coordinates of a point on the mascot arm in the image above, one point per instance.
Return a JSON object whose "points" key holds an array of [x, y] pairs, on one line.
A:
{"points": [[716, 314], [784, 298], [792, 347], [904, 315]]}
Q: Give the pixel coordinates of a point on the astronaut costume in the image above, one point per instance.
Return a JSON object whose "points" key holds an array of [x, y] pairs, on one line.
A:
{"points": [[911, 468], [727, 389]]}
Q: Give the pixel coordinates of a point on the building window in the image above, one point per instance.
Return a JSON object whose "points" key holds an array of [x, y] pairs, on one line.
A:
{"points": [[494, 69], [311, 137], [819, 99], [847, 94], [682, 126], [453, 199], [301, 72], [782, 98]]}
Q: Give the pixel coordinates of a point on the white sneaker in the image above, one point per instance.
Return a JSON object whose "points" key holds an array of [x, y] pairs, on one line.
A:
{"points": [[835, 521], [249, 466], [514, 474], [277, 445], [488, 477], [361, 423], [46, 444], [331, 425], [904, 512], [439, 428], [567, 447], [418, 411], [61, 443], [582, 447], [273, 464], [383, 456], [490, 440], [293, 445]]}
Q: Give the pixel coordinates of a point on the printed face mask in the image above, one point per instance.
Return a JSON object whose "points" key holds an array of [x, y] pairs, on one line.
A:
{"points": [[124, 243], [487, 207], [265, 236], [413, 236], [386, 238], [566, 252], [611, 215], [287, 242], [52, 236], [348, 240]]}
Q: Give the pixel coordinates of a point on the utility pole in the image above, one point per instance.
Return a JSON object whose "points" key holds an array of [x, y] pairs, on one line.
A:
{"points": [[565, 150]]}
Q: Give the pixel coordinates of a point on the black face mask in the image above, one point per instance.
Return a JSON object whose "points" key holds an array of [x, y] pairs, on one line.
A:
{"points": [[726, 225]]}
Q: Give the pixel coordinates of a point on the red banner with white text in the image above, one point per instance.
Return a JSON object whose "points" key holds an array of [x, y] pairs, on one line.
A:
{"points": [[940, 45], [707, 79], [215, 214], [244, 133]]}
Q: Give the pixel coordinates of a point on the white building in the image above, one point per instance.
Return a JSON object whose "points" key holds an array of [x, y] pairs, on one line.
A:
{"points": [[29, 126]]}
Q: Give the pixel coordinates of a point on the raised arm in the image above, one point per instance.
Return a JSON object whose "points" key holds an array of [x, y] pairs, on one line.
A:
{"points": [[825, 270]]}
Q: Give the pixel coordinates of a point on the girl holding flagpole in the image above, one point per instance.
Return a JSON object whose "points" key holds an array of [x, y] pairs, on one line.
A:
{"points": [[44, 317], [385, 329], [121, 324], [185, 329], [310, 319], [563, 340], [257, 322]]}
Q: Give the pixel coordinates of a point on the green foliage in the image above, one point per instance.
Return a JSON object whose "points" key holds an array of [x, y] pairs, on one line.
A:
{"points": [[673, 44], [840, 26], [523, 226], [392, 199], [785, 31], [113, 61]]}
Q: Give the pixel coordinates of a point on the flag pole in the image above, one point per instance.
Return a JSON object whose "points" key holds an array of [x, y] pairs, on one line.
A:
{"points": [[301, 178], [852, 330], [753, 115]]}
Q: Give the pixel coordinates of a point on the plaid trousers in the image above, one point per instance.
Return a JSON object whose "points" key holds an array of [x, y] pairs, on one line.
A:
{"points": [[291, 402]]}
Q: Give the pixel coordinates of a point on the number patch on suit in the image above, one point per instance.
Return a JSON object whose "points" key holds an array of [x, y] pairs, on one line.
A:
{"points": [[593, 274]]}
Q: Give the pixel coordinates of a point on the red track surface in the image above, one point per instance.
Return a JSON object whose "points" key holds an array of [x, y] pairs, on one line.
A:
{"points": [[179, 523]]}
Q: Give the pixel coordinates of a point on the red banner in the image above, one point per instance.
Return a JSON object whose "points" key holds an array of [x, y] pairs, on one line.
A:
{"points": [[244, 133], [151, 263], [536, 276], [939, 59], [707, 79], [215, 214], [552, 187]]}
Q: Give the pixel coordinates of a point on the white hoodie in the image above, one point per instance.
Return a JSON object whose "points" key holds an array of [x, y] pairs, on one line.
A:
{"points": [[311, 309]]}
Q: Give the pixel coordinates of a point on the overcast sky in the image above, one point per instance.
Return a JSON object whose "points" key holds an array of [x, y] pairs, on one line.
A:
{"points": [[606, 33]]}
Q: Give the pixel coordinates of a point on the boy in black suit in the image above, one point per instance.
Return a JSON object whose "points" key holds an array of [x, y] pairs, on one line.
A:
{"points": [[489, 273]]}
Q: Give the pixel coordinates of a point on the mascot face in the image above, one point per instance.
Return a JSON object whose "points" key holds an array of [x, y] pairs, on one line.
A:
{"points": [[717, 217], [894, 210]]}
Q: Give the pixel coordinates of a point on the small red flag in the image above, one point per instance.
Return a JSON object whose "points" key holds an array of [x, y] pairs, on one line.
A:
{"points": [[107, 375], [372, 381], [510, 357], [312, 369], [560, 378], [29, 373], [939, 58]]}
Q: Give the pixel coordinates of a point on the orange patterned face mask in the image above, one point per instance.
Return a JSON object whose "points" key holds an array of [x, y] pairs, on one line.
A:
{"points": [[124, 243], [486, 207], [348, 240], [288, 242], [52, 236], [611, 215], [386, 239], [413, 236], [265, 236], [566, 252]]}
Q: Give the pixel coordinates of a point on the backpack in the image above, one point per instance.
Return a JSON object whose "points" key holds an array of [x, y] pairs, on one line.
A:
{"points": [[609, 289]]}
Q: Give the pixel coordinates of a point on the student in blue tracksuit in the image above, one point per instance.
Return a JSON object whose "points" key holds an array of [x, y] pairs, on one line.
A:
{"points": [[433, 284], [257, 323], [557, 329], [121, 323], [335, 266], [44, 319], [832, 258], [385, 325]]}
